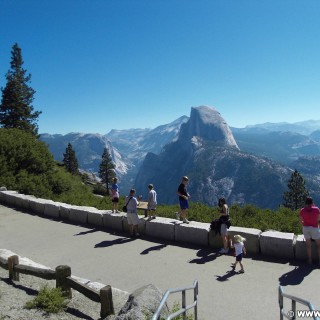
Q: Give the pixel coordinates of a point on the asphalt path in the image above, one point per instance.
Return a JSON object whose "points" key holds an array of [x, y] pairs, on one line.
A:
{"points": [[128, 264]]}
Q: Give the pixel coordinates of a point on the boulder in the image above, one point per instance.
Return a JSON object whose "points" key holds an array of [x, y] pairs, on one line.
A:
{"points": [[141, 304]]}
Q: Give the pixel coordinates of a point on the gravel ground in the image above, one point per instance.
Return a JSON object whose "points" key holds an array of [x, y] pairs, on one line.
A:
{"points": [[15, 294]]}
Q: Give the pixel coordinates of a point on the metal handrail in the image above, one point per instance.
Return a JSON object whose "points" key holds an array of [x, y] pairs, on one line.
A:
{"points": [[291, 314], [184, 308]]}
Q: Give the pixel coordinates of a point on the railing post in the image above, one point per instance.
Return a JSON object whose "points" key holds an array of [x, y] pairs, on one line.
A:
{"points": [[293, 308], [195, 298], [12, 262], [184, 304], [62, 272], [280, 298], [106, 302]]}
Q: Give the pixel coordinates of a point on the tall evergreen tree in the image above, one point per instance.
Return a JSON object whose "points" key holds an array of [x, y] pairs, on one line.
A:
{"points": [[107, 168], [295, 197], [16, 110], [70, 160]]}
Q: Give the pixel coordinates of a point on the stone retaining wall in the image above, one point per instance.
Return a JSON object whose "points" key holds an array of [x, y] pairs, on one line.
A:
{"points": [[269, 243]]}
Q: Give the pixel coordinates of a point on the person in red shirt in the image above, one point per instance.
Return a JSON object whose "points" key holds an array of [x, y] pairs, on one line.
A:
{"points": [[310, 219]]}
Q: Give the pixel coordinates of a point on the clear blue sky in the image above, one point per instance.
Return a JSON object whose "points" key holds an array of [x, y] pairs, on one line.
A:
{"points": [[99, 65]]}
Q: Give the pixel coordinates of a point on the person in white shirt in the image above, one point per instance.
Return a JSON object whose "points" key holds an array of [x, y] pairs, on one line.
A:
{"points": [[239, 251]]}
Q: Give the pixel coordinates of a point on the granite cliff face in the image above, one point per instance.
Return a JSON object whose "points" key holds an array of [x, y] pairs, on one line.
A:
{"points": [[207, 152], [206, 123]]}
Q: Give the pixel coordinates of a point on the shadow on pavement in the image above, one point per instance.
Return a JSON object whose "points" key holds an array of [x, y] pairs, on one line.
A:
{"points": [[109, 243], [154, 248], [205, 255], [295, 276], [78, 313], [86, 232], [226, 276], [28, 291]]}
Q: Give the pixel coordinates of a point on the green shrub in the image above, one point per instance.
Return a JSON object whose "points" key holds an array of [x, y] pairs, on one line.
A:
{"points": [[48, 299]]}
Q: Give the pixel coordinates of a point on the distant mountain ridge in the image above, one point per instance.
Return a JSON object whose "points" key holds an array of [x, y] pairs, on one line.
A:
{"points": [[137, 152], [302, 127], [206, 151]]}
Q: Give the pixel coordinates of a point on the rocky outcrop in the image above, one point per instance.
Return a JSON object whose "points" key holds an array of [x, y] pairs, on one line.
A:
{"points": [[141, 304]]}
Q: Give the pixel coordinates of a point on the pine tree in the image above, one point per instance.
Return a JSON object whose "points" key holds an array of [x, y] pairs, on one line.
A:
{"points": [[106, 168], [70, 160], [16, 110], [295, 197]]}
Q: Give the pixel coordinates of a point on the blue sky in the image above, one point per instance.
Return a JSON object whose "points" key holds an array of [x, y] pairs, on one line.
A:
{"points": [[98, 65]]}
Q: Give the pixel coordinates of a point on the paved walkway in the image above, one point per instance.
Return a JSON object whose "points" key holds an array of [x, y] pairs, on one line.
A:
{"points": [[128, 264]]}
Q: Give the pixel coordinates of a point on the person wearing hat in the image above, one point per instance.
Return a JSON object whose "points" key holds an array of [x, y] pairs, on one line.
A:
{"points": [[152, 202], [310, 220], [239, 251]]}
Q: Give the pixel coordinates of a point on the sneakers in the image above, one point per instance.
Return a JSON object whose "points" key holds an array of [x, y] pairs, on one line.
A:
{"points": [[149, 218], [153, 217], [241, 271], [178, 215], [224, 250], [185, 221]]}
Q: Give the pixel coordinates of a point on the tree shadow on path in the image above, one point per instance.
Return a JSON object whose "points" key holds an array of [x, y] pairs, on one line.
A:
{"points": [[109, 243]]}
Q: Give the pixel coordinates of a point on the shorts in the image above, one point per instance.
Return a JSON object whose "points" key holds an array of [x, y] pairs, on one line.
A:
{"points": [[152, 207], [132, 218], [115, 199], [184, 204], [223, 229], [239, 257], [311, 233]]}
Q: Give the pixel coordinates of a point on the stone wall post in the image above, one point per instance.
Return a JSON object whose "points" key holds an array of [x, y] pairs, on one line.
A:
{"points": [[62, 272], [106, 302]]}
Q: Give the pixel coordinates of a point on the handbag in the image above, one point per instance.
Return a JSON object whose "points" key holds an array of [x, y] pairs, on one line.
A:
{"points": [[124, 208]]}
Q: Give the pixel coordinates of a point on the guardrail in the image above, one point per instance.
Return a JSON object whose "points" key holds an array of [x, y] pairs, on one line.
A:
{"points": [[291, 314], [64, 280], [184, 308]]}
